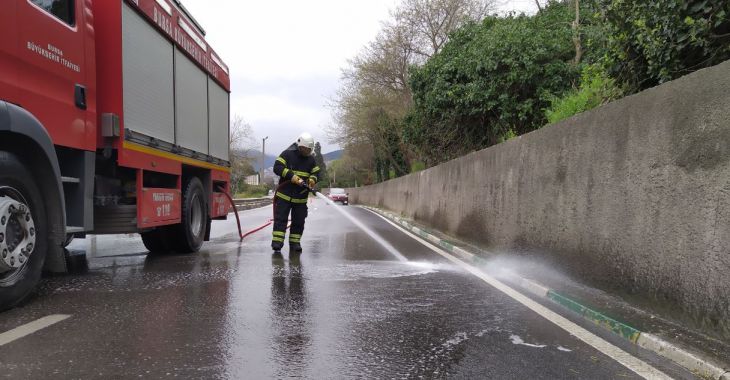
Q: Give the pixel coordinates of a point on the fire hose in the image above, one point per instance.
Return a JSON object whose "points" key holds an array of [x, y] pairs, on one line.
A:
{"points": [[269, 222]]}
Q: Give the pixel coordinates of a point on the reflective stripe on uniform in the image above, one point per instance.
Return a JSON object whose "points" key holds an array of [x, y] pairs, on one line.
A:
{"points": [[279, 233], [300, 173], [315, 170], [279, 239], [290, 199], [296, 236], [283, 173], [283, 161]]}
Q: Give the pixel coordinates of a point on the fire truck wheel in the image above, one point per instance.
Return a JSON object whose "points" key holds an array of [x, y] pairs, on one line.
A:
{"points": [[23, 231], [157, 240], [191, 230]]}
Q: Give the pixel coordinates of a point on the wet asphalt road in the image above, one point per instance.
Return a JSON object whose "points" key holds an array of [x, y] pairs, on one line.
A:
{"points": [[346, 309]]}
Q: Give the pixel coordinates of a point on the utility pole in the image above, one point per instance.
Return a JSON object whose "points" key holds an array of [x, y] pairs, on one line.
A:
{"points": [[263, 159]]}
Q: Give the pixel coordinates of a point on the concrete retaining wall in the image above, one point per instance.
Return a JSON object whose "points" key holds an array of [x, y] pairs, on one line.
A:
{"points": [[635, 194]]}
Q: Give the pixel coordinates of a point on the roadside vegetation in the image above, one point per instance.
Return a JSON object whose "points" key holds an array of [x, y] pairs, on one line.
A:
{"points": [[252, 191], [447, 77], [242, 157]]}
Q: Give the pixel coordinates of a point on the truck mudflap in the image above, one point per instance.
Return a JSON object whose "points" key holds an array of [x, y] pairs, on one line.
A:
{"points": [[158, 207], [220, 206]]}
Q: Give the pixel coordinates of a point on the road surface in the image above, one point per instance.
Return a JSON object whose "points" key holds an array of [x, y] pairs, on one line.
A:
{"points": [[347, 308]]}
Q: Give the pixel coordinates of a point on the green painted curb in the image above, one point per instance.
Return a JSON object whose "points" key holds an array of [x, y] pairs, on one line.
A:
{"points": [[608, 323]]}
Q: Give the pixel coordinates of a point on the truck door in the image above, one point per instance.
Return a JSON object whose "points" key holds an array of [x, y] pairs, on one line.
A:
{"points": [[53, 72], [8, 59]]}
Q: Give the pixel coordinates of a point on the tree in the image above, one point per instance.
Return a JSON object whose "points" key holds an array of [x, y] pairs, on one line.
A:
{"points": [[576, 33], [539, 6], [240, 147], [375, 89], [376, 96], [322, 176], [241, 138], [348, 172], [430, 22]]}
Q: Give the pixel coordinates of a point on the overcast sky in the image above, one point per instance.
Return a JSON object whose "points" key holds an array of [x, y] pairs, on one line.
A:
{"points": [[286, 57]]}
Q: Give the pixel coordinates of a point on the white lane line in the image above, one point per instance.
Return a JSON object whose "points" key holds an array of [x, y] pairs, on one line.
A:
{"points": [[635, 364], [30, 328]]}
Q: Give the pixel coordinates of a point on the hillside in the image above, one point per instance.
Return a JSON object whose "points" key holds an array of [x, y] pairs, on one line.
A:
{"points": [[331, 156]]}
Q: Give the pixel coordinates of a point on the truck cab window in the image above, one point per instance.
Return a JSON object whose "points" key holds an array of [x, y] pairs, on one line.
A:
{"points": [[63, 9]]}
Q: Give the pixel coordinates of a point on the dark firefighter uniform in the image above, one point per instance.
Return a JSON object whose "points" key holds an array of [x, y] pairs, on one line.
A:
{"points": [[290, 196]]}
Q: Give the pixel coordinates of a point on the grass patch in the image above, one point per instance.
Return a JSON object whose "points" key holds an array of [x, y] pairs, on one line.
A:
{"points": [[252, 191], [596, 89]]}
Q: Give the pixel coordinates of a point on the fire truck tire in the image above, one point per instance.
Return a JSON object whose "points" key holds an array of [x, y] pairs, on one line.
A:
{"points": [[190, 233], [157, 240], [23, 225]]}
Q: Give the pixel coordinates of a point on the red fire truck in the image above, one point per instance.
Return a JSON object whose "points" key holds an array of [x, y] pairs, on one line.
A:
{"points": [[114, 118]]}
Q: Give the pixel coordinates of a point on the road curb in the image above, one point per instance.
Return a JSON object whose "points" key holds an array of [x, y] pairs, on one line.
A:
{"points": [[695, 364]]}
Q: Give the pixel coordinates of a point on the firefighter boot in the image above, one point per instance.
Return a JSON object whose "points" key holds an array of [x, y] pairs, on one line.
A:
{"points": [[277, 246], [295, 248]]}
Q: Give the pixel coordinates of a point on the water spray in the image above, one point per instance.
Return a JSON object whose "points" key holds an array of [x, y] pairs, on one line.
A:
{"points": [[388, 247]]}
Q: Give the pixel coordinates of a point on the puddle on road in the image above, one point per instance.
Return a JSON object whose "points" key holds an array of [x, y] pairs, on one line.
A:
{"points": [[372, 269]]}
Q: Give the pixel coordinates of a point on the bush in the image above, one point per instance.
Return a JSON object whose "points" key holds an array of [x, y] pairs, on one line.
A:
{"points": [[491, 80], [596, 89], [652, 42], [508, 135], [417, 166], [252, 191]]}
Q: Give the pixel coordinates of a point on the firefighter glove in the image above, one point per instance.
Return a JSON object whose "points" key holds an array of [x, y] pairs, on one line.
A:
{"points": [[311, 183], [296, 180]]}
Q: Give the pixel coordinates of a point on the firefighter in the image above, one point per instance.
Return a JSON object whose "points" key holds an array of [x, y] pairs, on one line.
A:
{"points": [[296, 169]]}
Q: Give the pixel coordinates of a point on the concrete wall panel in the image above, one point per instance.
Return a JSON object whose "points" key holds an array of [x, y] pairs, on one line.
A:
{"points": [[635, 194]]}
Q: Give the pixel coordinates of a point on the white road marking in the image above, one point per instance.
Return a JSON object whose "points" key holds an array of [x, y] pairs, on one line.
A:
{"points": [[635, 364], [30, 328]]}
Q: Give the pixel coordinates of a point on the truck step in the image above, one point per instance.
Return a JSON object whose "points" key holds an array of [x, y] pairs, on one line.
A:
{"points": [[70, 180], [73, 230]]}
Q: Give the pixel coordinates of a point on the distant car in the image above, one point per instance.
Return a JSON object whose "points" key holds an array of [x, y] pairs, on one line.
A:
{"points": [[339, 195]]}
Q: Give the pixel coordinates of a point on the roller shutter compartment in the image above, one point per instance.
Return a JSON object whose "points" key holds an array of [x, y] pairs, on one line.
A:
{"points": [[149, 106], [218, 120], [191, 97]]}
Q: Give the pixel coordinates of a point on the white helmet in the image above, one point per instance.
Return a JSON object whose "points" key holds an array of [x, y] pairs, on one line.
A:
{"points": [[306, 140]]}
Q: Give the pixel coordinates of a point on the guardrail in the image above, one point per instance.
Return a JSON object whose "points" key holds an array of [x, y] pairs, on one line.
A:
{"points": [[249, 203]]}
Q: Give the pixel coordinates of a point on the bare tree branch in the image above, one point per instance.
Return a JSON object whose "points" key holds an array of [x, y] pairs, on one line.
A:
{"points": [[375, 94], [241, 144]]}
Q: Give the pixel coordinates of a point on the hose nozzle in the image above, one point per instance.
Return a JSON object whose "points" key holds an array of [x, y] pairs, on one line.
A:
{"points": [[311, 190]]}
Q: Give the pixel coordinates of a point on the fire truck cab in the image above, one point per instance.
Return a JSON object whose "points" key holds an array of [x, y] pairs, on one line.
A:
{"points": [[114, 118]]}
